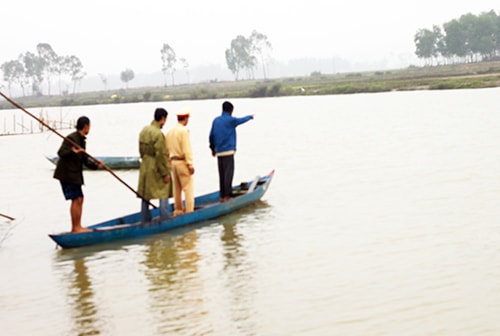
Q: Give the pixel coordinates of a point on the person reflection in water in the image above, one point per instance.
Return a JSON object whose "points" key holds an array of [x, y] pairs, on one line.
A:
{"points": [[82, 301]]}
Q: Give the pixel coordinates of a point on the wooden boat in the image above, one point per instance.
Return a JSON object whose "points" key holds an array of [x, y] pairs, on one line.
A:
{"points": [[206, 207], [113, 162]]}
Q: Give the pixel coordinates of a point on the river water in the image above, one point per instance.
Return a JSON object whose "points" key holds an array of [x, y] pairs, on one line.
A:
{"points": [[383, 218]]}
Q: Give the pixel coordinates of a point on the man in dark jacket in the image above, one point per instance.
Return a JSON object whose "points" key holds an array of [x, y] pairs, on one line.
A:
{"points": [[69, 170], [222, 141]]}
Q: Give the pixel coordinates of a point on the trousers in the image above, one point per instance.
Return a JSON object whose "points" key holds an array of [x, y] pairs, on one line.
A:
{"points": [[225, 165], [146, 214], [183, 183]]}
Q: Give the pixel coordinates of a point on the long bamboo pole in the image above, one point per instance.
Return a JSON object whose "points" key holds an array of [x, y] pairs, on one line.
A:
{"points": [[75, 145], [8, 217]]}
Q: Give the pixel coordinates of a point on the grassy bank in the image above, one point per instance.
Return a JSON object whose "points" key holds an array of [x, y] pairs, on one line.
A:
{"points": [[458, 76]]}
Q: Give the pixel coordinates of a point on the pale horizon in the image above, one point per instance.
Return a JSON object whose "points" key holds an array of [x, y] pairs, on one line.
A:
{"points": [[111, 36]]}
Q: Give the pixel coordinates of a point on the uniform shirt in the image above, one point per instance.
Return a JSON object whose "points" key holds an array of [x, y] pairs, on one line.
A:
{"points": [[179, 145]]}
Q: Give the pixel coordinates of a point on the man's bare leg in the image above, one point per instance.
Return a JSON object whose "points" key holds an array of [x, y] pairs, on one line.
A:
{"points": [[76, 215]]}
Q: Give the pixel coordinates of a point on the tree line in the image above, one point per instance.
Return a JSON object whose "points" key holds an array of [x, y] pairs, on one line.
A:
{"points": [[471, 38], [30, 69]]}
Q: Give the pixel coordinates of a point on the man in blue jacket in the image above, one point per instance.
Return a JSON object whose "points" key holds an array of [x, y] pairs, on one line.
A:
{"points": [[223, 145]]}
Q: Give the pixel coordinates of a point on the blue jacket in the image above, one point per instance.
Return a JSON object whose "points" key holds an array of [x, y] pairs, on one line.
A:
{"points": [[223, 133]]}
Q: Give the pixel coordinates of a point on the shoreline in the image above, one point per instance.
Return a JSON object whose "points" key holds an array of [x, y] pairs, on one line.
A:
{"points": [[441, 77]]}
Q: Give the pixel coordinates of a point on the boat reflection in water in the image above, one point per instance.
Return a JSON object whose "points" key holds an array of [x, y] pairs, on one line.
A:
{"points": [[185, 296]]}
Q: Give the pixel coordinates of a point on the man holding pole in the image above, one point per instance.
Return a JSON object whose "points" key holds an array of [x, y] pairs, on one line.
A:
{"points": [[69, 170], [72, 156]]}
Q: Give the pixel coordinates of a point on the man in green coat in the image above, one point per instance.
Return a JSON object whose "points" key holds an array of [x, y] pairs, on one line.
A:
{"points": [[154, 173]]}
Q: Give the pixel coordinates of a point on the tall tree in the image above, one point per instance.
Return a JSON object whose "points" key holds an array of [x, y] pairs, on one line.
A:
{"points": [[261, 46], [427, 43], [240, 56], [483, 34], [50, 61], [497, 36], [168, 59], [12, 71], [468, 23], [21, 76], [62, 69], [33, 67], [455, 39], [126, 76], [74, 67]]}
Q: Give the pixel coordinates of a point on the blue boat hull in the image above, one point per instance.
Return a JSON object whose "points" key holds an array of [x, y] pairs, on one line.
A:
{"points": [[130, 226]]}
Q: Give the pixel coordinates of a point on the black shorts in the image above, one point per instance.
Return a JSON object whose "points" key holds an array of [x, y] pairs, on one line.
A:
{"points": [[71, 191]]}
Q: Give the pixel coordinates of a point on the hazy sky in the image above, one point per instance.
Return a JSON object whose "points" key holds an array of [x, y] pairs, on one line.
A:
{"points": [[110, 35]]}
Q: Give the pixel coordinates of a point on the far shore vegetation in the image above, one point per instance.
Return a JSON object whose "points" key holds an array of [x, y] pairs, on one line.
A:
{"points": [[463, 53], [441, 77]]}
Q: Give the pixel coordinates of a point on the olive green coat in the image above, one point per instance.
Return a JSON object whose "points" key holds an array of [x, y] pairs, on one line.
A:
{"points": [[154, 164]]}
